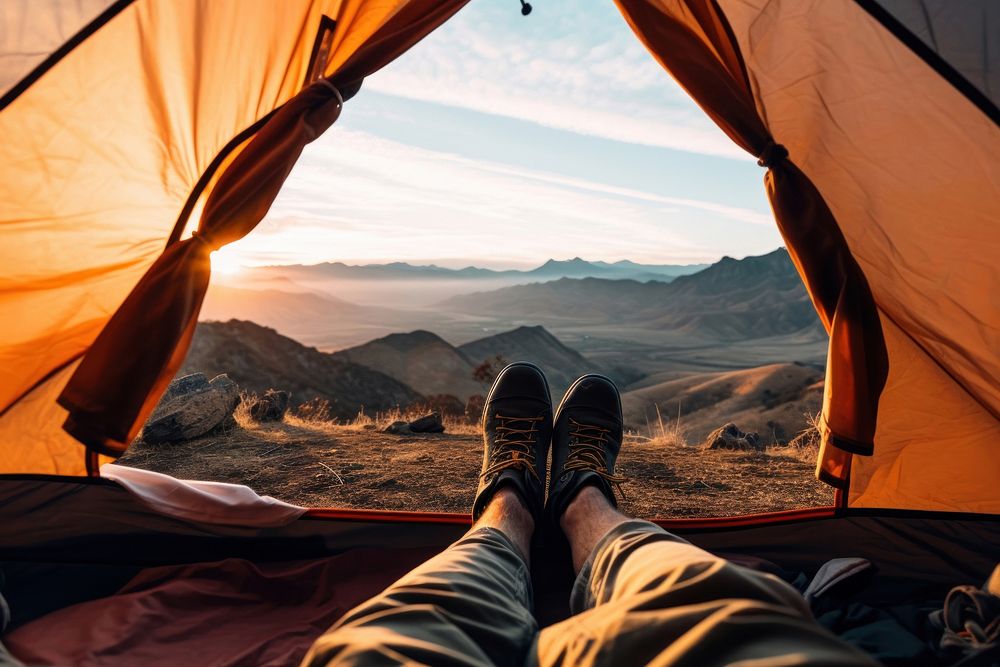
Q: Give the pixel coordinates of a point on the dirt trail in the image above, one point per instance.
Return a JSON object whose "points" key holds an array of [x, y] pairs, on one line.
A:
{"points": [[321, 465]]}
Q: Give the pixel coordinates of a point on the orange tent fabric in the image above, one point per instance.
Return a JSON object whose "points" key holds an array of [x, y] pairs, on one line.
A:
{"points": [[885, 222], [708, 65], [94, 190]]}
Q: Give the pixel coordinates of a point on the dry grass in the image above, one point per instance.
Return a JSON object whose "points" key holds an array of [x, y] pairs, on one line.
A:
{"points": [[380, 420], [242, 412], [315, 416], [805, 445], [664, 433]]}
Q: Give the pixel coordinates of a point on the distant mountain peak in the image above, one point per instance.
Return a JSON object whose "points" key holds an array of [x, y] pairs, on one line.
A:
{"points": [[527, 332], [576, 261]]}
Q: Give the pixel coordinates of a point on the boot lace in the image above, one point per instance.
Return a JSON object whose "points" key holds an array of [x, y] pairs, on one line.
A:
{"points": [[586, 453], [514, 446]]}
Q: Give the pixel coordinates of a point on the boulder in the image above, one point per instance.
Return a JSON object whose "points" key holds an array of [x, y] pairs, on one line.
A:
{"points": [[428, 424], [190, 408], [731, 437], [399, 428], [271, 407], [183, 385]]}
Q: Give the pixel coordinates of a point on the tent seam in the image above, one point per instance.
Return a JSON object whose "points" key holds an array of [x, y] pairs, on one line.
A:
{"points": [[67, 47], [931, 58]]}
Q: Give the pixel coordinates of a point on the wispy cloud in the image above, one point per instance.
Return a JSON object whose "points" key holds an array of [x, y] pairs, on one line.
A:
{"points": [[450, 185], [562, 67], [365, 198]]}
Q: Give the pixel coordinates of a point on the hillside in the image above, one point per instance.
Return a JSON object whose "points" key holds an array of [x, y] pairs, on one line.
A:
{"points": [[755, 297], [258, 358], [732, 299], [429, 364], [419, 359], [772, 400], [311, 317], [561, 364]]}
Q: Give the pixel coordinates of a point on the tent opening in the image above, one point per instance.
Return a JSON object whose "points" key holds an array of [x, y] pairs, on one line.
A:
{"points": [[465, 212]]}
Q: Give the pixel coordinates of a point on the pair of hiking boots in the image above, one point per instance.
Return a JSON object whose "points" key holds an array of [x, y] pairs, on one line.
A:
{"points": [[519, 428]]}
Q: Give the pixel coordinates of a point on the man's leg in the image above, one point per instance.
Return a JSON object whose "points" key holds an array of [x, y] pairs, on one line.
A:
{"points": [[469, 605], [644, 596]]}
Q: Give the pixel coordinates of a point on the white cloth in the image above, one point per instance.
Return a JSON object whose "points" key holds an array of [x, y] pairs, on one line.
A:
{"points": [[206, 502]]}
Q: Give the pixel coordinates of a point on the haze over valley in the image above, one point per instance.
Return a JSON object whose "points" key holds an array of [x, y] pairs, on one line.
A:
{"points": [[735, 337]]}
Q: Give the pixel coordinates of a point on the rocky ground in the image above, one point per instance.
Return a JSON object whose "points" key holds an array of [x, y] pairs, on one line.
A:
{"points": [[320, 464]]}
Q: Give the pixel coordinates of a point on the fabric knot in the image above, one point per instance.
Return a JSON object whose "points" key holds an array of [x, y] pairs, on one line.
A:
{"points": [[771, 155], [198, 236], [336, 91]]}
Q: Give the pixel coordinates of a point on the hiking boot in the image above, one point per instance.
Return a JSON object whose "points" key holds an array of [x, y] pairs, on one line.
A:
{"points": [[517, 429], [586, 439]]}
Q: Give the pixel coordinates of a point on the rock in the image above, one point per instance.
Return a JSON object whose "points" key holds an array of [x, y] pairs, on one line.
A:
{"points": [[428, 424], [271, 407], [191, 408], [222, 383], [731, 437], [399, 428], [184, 385]]}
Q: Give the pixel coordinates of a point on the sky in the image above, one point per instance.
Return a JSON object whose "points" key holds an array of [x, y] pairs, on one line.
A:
{"points": [[503, 141]]}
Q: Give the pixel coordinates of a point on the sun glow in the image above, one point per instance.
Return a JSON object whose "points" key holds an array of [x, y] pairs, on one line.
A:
{"points": [[225, 263]]}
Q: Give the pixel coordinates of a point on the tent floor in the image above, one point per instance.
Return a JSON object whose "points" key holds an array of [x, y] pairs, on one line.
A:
{"points": [[70, 541]]}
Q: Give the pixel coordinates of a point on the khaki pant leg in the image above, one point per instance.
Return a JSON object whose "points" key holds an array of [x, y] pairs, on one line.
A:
{"points": [[648, 597], [469, 605]]}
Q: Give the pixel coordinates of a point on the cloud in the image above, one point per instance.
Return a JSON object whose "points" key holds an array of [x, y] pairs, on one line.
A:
{"points": [[565, 68], [731, 212], [372, 199]]}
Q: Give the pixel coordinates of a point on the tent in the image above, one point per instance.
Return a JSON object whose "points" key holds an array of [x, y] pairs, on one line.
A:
{"points": [[139, 135]]}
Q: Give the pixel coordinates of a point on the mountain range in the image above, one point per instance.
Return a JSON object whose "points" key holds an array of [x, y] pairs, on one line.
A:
{"points": [[393, 371], [408, 369], [552, 269], [755, 297]]}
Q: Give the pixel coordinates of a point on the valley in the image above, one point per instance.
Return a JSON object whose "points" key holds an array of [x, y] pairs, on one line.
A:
{"points": [[735, 341]]}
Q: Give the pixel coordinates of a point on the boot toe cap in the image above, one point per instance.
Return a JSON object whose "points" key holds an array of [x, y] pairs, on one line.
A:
{"points": [[520, 380]]}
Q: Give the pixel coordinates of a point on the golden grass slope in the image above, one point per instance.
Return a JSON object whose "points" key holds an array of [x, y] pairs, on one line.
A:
{"points": [[773, 400]]}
